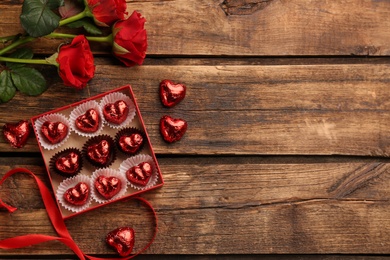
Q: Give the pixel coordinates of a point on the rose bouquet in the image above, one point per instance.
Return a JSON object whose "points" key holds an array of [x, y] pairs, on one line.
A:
{"points": [[74, 60]]}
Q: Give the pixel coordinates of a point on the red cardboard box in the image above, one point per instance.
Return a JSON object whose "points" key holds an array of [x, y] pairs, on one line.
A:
{"points": [[80, 145]]}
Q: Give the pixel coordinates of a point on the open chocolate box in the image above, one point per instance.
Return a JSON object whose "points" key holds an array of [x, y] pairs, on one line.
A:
{"points": [[97, 151]]}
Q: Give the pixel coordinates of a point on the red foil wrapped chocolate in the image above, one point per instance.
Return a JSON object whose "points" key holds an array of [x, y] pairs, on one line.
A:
{"points": [[67, 163], [54, 132], [130, 140], [88, 122], [116, 112], [122, 240], [172, 129], [170, 93], [77, 195], [108, 187], [17, 133], [100, 151], [140, 174]]}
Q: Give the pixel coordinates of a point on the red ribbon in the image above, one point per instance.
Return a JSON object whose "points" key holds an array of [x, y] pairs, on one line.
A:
{"points": [[57, 222]]}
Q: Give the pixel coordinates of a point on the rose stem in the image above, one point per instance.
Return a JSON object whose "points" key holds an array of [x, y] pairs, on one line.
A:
{"points": [[76, 17], [107, 39], [7, 38], [16, 44], [29, 61]]}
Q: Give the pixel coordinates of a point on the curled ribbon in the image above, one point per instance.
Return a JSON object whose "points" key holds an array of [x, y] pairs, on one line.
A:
{"points": [[57, 222]]}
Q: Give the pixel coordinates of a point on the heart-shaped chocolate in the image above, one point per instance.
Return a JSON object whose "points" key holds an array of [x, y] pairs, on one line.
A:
{"points": [[100, 153], [69, 163], [171, 93], [131, 143], [18, 133], [108, 187], [89, 121], [140, 174], [54, 132], [116, 112], [122, 240], [172, 129], [77, 195]]}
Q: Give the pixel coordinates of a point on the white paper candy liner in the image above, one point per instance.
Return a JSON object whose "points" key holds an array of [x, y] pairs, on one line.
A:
{"points": [[135, 160], [80, 110], [70, 183], [107, 172], [112, 98], [51, 118]]}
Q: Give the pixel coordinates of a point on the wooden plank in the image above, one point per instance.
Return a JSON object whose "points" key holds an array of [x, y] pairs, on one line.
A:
{"points": [[295, 205], [251, 27], [249, 109]]}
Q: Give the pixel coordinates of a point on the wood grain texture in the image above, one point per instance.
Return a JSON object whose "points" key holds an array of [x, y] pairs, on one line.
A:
{"points": [[243, 27], [290, 206], [286, 154], [253, 109]]}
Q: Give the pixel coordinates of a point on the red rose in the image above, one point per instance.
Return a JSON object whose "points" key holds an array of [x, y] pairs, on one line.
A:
{"points": [[76, 66], [130, 41], [107, 12]]}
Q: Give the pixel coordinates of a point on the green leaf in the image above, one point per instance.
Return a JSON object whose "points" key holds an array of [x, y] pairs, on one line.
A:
{"points": [[87, 24], [23, 53], [29, 81], [7, 88], [37, 17]]}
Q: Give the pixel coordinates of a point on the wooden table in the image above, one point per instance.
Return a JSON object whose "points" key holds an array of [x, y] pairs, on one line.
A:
{"points": [[288, 107]]}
